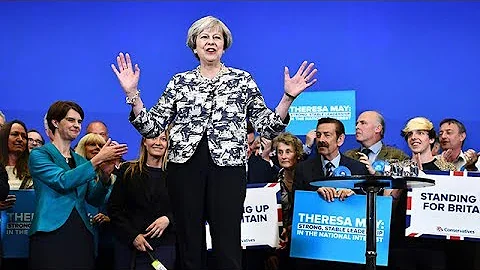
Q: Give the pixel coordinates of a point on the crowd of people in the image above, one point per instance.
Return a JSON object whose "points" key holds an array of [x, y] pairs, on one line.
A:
{"points": [[117, 214]]}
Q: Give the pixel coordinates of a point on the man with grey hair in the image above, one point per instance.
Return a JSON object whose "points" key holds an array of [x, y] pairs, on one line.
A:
{"points": [[369, 132], [2, 119]]}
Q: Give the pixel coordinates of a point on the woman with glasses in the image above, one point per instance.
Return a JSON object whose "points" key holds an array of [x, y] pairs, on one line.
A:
{"points": [[140, 209], [61, 236], [35, 139]]}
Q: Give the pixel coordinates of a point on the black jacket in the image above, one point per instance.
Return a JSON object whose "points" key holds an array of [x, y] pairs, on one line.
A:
{"points": [[136, 202]]}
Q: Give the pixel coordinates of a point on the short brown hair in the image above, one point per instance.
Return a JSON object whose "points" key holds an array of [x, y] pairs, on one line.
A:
{"points": [[59, 109]]}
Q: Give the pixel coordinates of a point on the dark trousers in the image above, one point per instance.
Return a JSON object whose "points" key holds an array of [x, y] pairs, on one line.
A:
{"points": [[202, 191], [68, 247]]}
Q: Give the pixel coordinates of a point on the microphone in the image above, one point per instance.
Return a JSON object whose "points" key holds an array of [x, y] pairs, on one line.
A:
{"points": [[342, 171]]}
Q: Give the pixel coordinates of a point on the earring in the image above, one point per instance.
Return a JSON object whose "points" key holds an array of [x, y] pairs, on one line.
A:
{"points": [[195, 51]]}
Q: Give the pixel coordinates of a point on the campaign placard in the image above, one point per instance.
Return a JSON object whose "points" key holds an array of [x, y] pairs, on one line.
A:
{"points": [[15, 224], [450, 209], [336, 231], [260, 220], [308, 107]]}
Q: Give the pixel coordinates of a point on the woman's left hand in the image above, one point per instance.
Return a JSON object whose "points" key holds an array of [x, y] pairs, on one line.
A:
{"points": [[301, 80], [101, 218], [156, 229]]}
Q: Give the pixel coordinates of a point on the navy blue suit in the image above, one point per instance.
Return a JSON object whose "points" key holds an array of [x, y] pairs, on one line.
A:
{"points": [[311, 170]]}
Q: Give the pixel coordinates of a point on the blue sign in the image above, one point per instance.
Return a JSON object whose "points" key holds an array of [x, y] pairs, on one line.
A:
{"points": [[16, 223], [335, 231], [308, 107]]}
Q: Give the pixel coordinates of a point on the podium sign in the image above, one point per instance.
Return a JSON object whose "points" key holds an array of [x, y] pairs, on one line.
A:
{"points": [[450, 209], [336, 231], [15, 224], [260, 216]]}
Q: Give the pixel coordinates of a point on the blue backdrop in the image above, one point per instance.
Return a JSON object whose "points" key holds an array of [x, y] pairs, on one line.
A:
{"points": [[404, 59]]}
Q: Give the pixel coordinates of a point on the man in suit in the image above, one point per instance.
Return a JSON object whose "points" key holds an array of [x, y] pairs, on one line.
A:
{"points": [[369, 132], [330, 135]]}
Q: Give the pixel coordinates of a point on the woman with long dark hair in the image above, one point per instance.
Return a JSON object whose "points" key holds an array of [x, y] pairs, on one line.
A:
{"points": [[139, 209]]}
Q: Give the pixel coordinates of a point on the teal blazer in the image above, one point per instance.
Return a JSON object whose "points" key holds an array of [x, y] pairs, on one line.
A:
{"points": [[58, 189]]}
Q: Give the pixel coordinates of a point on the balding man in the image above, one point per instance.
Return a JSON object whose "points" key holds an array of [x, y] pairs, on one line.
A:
{"points": [[98, 127], [369, 132]]}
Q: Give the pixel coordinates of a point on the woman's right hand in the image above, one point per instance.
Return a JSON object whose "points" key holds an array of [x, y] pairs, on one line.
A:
{"points": [[110, 151], [127, 76], [140, 243]]}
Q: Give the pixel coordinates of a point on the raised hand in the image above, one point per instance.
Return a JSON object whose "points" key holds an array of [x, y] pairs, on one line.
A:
{"points": [[301, 80], [126, 74], [157, 227], [310, 138]]}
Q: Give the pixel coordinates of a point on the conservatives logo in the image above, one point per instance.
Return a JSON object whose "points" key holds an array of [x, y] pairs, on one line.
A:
{"points": [[449, 230]]}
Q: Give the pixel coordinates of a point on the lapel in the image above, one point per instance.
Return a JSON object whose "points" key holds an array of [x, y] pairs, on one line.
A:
{"points": [[317, 168], [59, 159], [382, 154], [57, 156]]}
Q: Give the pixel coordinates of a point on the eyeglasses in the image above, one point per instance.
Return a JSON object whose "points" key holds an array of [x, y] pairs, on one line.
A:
{"points": [[37, 141]]}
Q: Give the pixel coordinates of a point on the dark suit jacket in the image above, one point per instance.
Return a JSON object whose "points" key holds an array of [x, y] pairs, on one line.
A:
{"points": [[4, 186], [260, 171], [311, 169], [135, 203], [386, 152]]}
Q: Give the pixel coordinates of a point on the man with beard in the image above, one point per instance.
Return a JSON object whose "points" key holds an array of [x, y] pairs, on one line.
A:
{"points": [[330, 135]]}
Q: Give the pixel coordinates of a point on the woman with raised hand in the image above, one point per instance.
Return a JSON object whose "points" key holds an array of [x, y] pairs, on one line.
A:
{"points": [[139, 208], [208, 108], [61, 236]]}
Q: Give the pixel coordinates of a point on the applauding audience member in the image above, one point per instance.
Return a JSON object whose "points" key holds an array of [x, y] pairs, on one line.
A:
{"points": [[61, 236], [452, 136]]}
